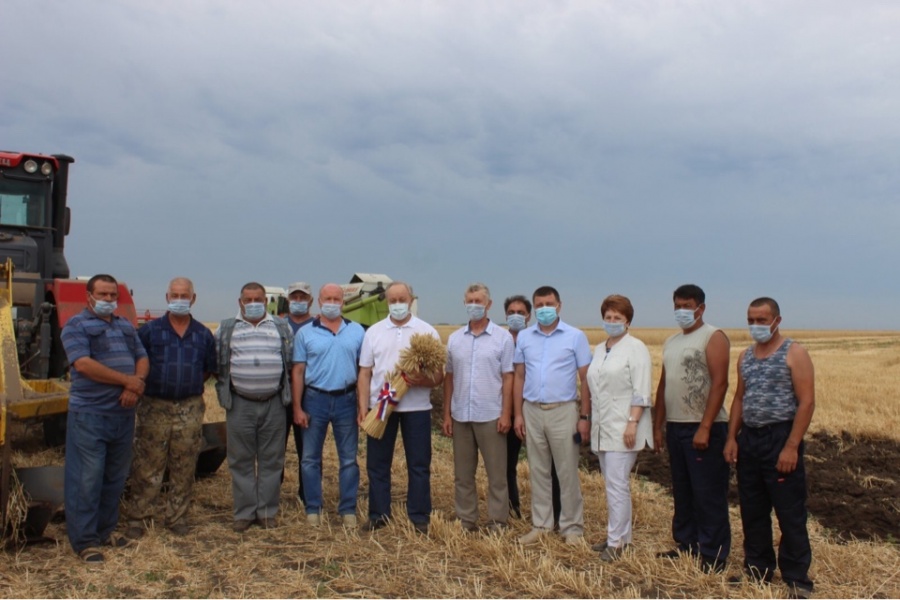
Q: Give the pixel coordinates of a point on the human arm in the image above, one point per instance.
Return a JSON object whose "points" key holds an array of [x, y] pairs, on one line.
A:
{"points": [[363, 383], [97, 371], [641, 372], [518, 400], [429, 380], [717, 356], [504, 424], [659, 414], [298, 382], [736, 417], [584, 424], [447, 425], [803, 378]]}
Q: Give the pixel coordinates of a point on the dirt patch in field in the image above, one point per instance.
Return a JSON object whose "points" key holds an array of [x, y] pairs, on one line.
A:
{"points": [[854, 484]]}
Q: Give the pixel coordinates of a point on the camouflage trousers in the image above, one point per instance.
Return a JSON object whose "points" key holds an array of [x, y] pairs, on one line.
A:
{"points": [[168, 437]]}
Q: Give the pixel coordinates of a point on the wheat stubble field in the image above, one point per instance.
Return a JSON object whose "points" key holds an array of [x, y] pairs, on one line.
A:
{"points": [[853, 460]]}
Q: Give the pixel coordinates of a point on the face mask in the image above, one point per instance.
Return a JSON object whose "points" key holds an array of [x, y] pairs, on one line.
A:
{"points": [[180, 307], [254, 310], [299, 308], [546, 315], [331, 310], [762, 333], [104, 308], [399, 311], [614, 329], [685, 317], [515, 322], [475, 311]]}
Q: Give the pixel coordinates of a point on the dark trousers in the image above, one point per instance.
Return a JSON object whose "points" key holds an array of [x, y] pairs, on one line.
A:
{"points": [[415, 427], [298, 442], [513, 446], [700, 490], [761, 488]]}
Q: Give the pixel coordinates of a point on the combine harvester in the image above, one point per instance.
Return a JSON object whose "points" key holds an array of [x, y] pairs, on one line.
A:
{"points": [[37, 297]]}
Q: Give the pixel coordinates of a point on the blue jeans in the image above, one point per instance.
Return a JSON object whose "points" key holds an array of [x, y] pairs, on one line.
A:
{"points": [[98, 457], [700, 490], [341, 412], [415, 427]]}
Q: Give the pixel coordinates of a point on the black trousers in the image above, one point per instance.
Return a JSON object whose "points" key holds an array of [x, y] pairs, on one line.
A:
{"points": [[762, 488], [700, 491]]}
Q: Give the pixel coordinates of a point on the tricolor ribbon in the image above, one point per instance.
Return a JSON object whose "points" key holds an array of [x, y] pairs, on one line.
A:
{"points": [[385, 398]]}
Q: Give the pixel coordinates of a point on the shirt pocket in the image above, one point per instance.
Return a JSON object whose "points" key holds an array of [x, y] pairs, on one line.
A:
{"points": [[98, 342]]}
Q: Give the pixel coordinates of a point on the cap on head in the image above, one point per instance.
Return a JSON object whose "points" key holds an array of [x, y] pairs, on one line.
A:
{"points": [[300, 286]]}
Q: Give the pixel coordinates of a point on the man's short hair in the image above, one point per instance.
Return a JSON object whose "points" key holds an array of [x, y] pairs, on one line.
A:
{"points": [[618, 303], [100, 277], [546, 290], [517, 298], [690, 291], [183, 280], [479, 287], [766, 301], [253, 286], [404, 284]]}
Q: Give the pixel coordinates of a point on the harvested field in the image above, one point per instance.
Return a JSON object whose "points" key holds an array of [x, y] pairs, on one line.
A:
{"points": [[852, 462]]}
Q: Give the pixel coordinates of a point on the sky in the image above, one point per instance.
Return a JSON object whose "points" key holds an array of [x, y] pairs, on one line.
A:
{"points": [[750, 147]]}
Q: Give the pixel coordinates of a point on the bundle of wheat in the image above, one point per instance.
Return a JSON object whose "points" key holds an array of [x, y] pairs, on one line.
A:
{"points": [[424, 355]]}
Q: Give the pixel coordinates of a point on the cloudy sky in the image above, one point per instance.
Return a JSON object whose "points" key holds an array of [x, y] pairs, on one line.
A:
{"points": [[751, 147]]}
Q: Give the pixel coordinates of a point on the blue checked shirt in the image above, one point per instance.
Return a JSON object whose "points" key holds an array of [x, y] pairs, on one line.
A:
{"points": [[477, 364], [178, 365]]}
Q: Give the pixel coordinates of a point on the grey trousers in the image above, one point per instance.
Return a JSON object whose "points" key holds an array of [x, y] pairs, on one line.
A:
{"points": [[468, 439], [255, 456]]}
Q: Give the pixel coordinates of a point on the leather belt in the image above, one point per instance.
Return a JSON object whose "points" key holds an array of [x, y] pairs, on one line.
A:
{"points": [[552, 405], [257, 398], [343, 392]]}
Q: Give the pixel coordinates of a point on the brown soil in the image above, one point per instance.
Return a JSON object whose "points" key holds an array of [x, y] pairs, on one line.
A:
{"points": [[854, 484]]}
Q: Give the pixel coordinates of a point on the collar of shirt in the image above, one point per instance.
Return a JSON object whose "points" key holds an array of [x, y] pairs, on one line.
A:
{"points": [[488, 330], [317, 322], [561, 326], [409, 323], [268, 317]]}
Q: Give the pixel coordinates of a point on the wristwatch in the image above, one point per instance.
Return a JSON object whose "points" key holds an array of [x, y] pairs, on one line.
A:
{"points": [[632, 419], [585, 417]]}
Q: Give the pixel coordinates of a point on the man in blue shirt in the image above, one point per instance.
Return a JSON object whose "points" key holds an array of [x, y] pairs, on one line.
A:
{"points": [[323, 391], [109, 366], [550, 357], [169, 434]]}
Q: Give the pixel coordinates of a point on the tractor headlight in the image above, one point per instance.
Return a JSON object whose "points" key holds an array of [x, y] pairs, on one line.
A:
{"points": [[46, 168], [31, 166]]}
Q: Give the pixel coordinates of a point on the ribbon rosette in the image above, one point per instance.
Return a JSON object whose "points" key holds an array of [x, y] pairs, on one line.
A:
{"points": [[387, 397]]}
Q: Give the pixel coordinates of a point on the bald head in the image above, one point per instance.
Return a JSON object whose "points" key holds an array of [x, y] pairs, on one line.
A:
{"points": [[331, 293]]}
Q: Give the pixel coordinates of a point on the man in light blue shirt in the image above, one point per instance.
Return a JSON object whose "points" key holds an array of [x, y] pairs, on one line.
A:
{"points": [[550, 357], [478, 408], [326, 355]]}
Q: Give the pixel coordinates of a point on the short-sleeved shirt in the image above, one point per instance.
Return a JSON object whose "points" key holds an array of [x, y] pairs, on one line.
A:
{"points": [[477, 364], [178, 365], [295, 327], [331, 358], [381, 350], [256, 361], [552, 361], [114, 344]]}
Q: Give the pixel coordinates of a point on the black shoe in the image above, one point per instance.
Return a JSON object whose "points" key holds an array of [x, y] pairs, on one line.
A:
{"points": [[712, 565], [796, 591], [421, 528], [374, 524], [673, 554]]}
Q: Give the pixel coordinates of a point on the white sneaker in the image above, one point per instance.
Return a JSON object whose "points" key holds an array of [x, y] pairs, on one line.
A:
{"points": [[532, 537], [349, 521], [313, 519]]}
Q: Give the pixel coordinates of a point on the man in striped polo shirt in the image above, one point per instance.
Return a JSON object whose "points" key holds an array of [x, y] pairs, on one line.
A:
{"points": [[772, 409], [478, 408], [254, 354]]}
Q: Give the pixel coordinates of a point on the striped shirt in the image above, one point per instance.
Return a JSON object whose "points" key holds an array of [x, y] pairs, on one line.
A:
{"points": [[256, 361], [769, 395], [477, 364], [114, 344], [178, 365]]}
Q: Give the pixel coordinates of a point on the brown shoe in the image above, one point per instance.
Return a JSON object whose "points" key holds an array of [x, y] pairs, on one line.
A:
{"points": [[241, 525], [180, 529], [269, 523]]}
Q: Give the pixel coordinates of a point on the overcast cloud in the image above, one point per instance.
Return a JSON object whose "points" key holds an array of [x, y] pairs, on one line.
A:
{"points": [[601, 147]]}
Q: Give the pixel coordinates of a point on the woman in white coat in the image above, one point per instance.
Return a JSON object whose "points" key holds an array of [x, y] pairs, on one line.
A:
{"points": [[619, 379]]}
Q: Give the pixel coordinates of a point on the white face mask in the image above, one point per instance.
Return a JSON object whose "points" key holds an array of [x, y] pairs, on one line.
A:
{"points": [[614, 329], [762, 333], [685, 317], [180, 306], [399, 311]]}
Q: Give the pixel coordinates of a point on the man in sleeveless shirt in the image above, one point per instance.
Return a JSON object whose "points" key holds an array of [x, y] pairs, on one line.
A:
{"points": [[690, 421], [772, 408]]}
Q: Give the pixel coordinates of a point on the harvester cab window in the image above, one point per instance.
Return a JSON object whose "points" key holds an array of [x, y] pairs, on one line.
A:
{"points": [[19, 206]]}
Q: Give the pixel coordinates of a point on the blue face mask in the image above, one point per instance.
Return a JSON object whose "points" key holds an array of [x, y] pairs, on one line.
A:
{"points": [[475, 311], [515, 322], [614, 329], [399, 311], [254, 310], [180, 307], [330, 310], [546, 315], [299, 308], [103, 308], [762, 333], [685, 317]]}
